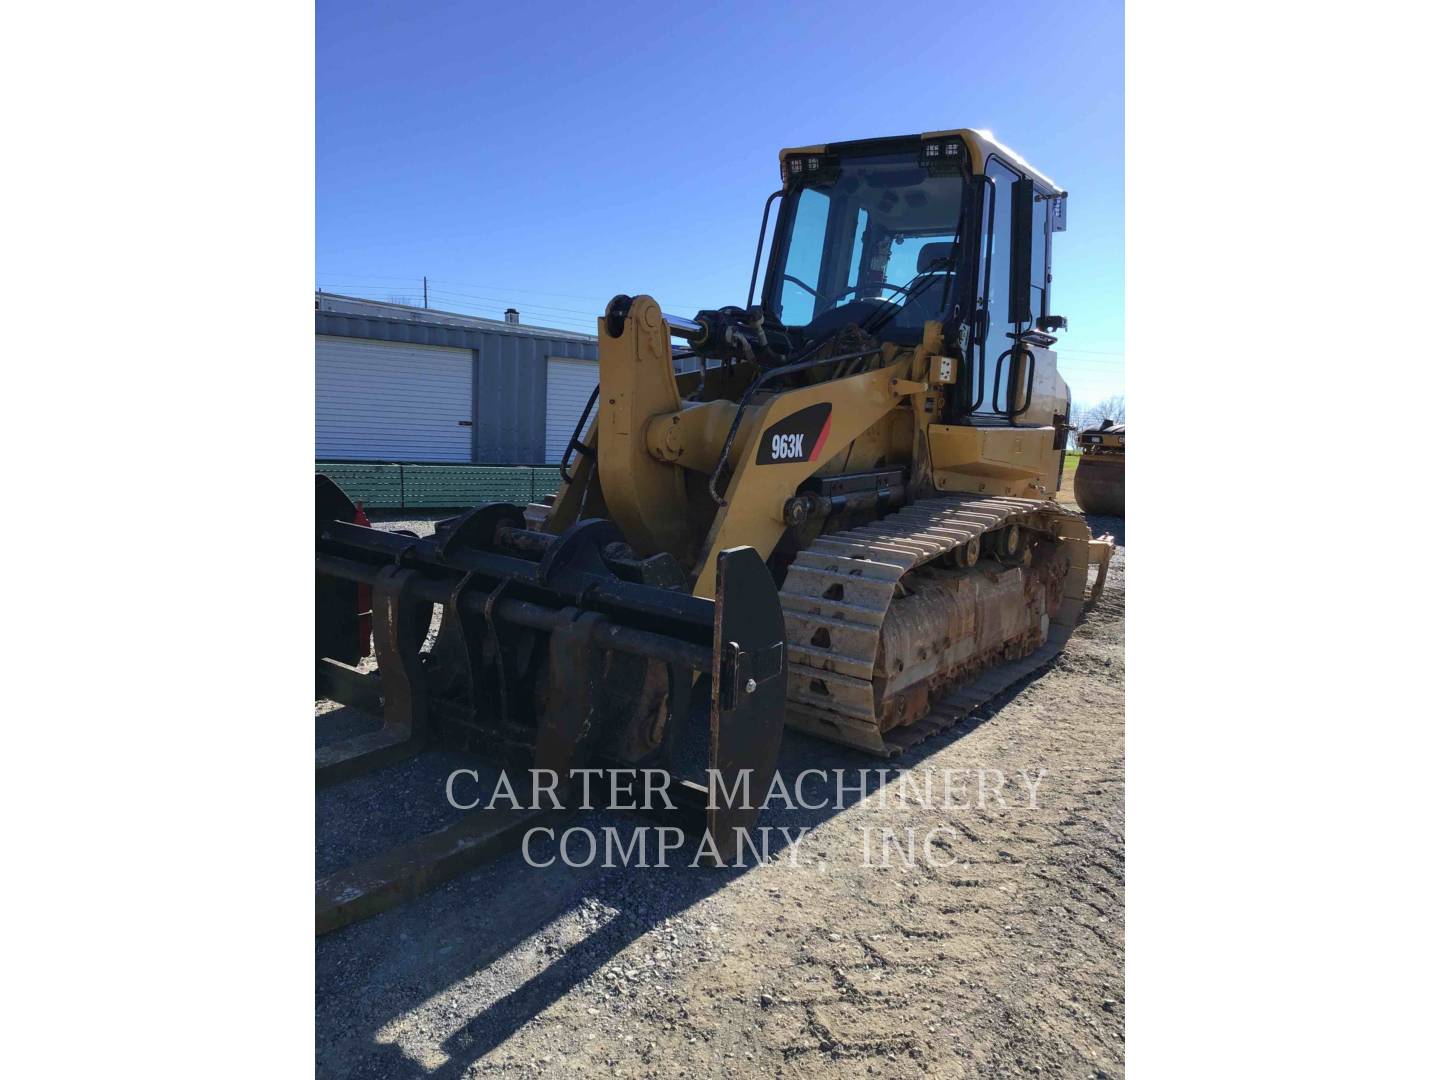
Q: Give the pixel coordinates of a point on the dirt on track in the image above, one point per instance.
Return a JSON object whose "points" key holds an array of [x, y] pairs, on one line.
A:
{"points": [[1002, 956]]}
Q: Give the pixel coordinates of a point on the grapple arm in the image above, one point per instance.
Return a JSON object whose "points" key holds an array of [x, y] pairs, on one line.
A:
{"points": [[554, 651]]}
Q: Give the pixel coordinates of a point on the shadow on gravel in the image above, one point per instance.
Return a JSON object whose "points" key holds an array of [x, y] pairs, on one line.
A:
{"points": [[465, 967], [505, 942]]}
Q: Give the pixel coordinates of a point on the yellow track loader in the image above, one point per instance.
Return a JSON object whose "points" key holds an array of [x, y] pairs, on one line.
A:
{"points": [[832, 506]]}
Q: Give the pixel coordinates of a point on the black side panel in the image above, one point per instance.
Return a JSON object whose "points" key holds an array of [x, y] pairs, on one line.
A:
{"points": [[1022, 220]]}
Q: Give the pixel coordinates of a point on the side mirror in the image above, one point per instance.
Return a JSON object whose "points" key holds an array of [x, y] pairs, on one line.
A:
{"points": [[1022, 230]]}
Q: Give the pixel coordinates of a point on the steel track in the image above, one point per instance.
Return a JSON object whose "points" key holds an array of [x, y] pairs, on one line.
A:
{"points": [[844, 584]]}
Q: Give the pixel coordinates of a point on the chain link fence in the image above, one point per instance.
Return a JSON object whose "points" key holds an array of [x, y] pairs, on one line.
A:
{"points": [[403, 486]]}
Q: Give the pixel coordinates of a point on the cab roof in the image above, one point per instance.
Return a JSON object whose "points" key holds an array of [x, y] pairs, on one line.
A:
{"points": [[981, 145]]}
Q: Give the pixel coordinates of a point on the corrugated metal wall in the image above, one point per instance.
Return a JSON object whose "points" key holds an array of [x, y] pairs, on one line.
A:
{"points": [[510, 394], [391, 402], [505, 398], [569, 390]]}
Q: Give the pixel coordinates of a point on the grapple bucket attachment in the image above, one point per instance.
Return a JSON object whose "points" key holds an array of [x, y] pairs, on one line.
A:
{"points": [[553, 652]]}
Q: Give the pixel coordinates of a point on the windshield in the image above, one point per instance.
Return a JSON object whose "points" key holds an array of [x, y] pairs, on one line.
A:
{"points": [[861, 234]]}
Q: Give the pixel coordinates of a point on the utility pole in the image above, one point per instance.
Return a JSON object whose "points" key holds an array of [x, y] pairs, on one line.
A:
{"points": [[425, 285]]}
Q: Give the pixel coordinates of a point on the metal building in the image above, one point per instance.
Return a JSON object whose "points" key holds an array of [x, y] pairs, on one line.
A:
{"points": [[401, 383]]}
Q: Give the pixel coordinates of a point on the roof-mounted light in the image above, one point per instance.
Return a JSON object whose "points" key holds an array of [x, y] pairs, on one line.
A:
{"points": [[803, 168], [944, 156]]}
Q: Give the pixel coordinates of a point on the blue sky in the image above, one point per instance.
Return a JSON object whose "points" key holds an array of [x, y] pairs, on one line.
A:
{"points": [[548, 156]]}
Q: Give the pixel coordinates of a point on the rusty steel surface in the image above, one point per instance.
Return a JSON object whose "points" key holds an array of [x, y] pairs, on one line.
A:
{"points": [[888, 621], [1100, 483], [957, 622]]}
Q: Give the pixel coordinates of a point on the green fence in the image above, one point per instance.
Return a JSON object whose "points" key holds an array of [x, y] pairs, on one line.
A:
{"points": [[399, 486]]}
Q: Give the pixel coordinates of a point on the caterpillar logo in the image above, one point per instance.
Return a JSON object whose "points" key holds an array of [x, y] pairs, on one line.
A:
{"points": [[798, 437]]}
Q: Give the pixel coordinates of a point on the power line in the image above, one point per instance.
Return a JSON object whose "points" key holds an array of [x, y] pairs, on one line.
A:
{"points": [[329, 283], [385, 283], [465, 307], [578, 320], [585, 320], [588, 314], [470, 300], [533, 307], [497, 301]]}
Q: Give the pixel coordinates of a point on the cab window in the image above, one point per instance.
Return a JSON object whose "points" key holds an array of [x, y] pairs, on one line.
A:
{"points": [[802, 262]]}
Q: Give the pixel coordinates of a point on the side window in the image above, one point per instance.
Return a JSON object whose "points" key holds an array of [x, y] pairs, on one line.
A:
{"points": [[1038, 284], [802, 261], [904, 260], [994, 282], [857, 249]]}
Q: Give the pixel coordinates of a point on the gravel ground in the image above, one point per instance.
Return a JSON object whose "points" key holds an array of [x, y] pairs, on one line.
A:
{"points": [[1003, 957]]}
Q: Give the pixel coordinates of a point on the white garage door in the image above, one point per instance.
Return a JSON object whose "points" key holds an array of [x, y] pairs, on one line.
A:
{"points": [[378, 400], [568, 385]]}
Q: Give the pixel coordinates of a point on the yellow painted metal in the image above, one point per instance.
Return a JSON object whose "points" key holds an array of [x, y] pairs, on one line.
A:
{"points": [[1049, 393], [994, 460], [693, 438], [648, 442], [655, 450], [1108, 439], [646, 497], [983, 143], [658, 438], [756, 494], [944, 370]]}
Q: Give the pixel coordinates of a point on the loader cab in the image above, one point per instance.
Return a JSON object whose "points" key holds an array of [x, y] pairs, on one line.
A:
{"points": [[888, 234], [865, 237]]}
